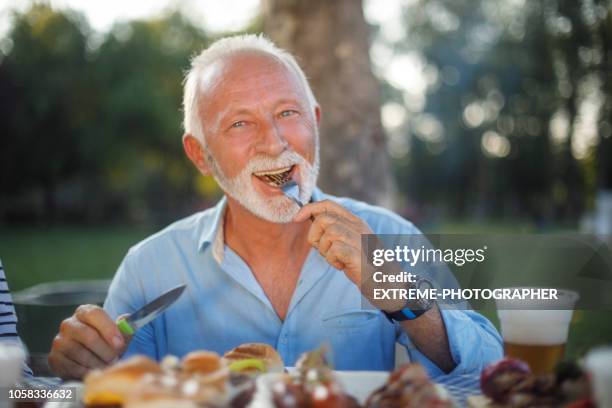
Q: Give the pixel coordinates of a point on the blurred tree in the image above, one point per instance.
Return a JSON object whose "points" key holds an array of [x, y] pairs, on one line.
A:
{"points": [[139, 67], [331, 41], [501, 132], [603, 34], [44, 77], [515, 120], [91, 123]]}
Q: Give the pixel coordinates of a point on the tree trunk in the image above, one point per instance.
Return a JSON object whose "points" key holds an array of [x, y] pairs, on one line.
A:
{"points": [[331, 42]]}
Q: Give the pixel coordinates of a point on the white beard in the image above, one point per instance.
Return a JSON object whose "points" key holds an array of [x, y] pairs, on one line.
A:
{"points": [[278, 209]]}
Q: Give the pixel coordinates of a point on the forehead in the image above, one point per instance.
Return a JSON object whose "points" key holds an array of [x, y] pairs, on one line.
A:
{"points": [[247, 79]]}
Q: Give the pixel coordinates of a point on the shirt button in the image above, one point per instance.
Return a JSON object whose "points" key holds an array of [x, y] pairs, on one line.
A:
{"points": [[284, 340]]}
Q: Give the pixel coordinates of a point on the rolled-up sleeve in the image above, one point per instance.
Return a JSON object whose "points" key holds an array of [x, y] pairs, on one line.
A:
{"points": [[126, 295], [473, 340]]}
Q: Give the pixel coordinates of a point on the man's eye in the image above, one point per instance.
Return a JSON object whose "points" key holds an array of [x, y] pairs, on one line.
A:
{"points": [[238, 124], [288, 112]]}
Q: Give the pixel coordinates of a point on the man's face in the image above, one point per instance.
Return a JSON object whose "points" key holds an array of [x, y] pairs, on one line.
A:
{"points": [[257, 121]]}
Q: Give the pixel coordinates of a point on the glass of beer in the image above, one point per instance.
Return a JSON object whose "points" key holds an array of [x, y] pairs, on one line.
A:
{"points": [[536, 331]]}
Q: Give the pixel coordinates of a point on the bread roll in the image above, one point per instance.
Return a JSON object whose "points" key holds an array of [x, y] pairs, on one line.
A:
{"points": [[202, 362], [172, 391], [111, 385], [205, 367], [253, 355]]}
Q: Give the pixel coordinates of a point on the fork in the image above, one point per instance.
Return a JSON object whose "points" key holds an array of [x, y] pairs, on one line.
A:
{"points": [[288, 186], [292, 190]]}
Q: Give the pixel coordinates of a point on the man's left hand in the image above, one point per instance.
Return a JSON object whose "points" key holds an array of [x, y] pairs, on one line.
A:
{"points": [[336, 233]]}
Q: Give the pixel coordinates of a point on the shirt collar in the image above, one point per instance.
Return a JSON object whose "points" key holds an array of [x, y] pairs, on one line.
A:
{"points": [[212, 229], [214, 233]]}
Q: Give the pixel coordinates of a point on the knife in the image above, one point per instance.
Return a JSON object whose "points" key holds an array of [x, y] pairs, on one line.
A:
{"points": [[150, 311]]}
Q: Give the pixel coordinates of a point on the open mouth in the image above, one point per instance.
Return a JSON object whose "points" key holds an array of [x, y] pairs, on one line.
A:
{"points": [[275, 178]]}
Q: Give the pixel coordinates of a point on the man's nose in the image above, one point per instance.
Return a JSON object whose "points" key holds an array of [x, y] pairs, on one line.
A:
{"points": [[272, 140]]}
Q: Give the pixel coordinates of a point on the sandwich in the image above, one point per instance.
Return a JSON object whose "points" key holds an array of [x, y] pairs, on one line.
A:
{"points": [[111, 386], [254, 358], [206, 367], [171, 390]]}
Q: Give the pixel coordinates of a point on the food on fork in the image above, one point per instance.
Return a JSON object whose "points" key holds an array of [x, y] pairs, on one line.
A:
{"points": [[254, 358], [112, 385], [409, 386]]}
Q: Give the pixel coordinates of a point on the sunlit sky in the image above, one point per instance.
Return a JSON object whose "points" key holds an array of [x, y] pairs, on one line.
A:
{"points": [[215, 15]]}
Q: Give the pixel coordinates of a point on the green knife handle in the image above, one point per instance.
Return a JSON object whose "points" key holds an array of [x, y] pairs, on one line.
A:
{"points": [[125, 328]]}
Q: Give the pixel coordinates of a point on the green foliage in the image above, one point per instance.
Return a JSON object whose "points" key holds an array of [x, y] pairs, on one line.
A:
{"points": [[141, 64], [481, 145], [43, 78], [91, 124]]}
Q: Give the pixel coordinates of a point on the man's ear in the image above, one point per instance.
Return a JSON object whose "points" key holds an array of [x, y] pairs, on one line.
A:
{"points": [[195, 151]]}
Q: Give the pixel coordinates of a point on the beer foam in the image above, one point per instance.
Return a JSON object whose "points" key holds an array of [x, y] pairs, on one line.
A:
{"points": [[535, 327]]}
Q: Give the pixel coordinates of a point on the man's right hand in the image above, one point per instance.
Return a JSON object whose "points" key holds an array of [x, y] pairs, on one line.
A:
{"points": [[86, 340]]}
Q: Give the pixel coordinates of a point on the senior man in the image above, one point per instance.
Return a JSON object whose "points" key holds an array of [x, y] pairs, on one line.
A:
{"points": [[258, 268]]}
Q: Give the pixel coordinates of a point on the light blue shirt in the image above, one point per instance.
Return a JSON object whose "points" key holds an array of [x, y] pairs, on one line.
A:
{"points": [[224, 306]]}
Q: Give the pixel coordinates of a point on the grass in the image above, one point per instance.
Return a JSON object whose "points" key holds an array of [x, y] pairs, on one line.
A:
{"points": [[35, 255]]}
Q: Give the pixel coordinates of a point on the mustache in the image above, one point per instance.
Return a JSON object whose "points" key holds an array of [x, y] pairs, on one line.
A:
{"points": [[265, 162]]}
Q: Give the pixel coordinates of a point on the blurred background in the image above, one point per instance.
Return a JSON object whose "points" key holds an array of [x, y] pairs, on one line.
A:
{"points": [[461, 115]]}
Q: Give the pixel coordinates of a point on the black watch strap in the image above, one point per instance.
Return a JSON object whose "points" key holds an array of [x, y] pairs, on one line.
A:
{"points": [[404, 314], [414, 308]]}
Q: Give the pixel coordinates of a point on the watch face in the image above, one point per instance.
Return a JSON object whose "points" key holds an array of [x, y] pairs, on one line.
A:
{"points": [[424, 284], [414, 308], [424, 304]]}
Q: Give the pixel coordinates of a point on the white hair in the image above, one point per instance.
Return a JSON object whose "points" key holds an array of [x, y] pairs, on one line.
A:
{"points": [[223, 48]]}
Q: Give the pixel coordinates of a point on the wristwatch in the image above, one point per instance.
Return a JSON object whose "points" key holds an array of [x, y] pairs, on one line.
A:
{"points": [[414, 307]]}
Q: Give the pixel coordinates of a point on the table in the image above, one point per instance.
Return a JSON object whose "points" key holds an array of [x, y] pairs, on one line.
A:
{"points": [[459, 386]]}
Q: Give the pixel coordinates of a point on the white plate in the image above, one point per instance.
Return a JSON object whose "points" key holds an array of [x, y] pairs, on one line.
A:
{"points": [[359, 384]]}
